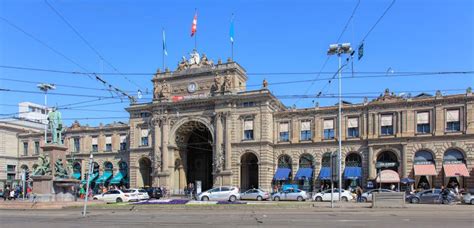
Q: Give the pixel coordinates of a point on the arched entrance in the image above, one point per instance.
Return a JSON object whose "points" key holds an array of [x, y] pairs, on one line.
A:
{"points": [[77, 170], [454, 167], [145, 172], [304, 176], [353, 170], [325, 172], [424, 169], [194, 141], [387, 160], [248, 171], [283, 173]]}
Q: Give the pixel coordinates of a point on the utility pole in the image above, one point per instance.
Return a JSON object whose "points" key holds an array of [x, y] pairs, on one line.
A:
{"points": [[45, 87], [91, 159], [339, 49]]}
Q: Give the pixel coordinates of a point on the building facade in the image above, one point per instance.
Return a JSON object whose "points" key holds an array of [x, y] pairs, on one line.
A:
{"points": [[204, 126]]}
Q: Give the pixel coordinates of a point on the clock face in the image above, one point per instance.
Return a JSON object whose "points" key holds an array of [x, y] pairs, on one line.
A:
{"points": [[192, 87]]}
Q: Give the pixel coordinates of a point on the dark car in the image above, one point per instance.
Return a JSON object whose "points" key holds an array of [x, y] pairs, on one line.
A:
{"points": [[154, 192], [427, 196]]}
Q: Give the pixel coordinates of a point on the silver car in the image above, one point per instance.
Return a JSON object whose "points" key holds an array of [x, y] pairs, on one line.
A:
{"points": [[290, 194], [220, 193], [255, 194]]}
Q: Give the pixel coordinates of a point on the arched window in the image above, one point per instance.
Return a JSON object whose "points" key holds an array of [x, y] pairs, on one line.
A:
{"points": [[423, 157], [95, 167], [108, 166], [453, 156], [326, 160], [284, 161], [306, 161], [387, 160], [353, 160]]}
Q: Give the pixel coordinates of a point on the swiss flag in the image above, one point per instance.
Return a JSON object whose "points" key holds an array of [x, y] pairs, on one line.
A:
{"points": [[194, 26]]}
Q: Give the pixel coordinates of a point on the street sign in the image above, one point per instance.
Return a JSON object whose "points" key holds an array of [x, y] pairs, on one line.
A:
{"points": [[380, 165]]}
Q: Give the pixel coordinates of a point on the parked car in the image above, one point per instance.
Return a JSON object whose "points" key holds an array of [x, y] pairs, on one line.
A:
{"points": [[154, 192], [427, 196], [220, 193], [468, 198], [117, 196], [290, 194], [367, 196], [141, 194], [326, 195], [255, 194]]}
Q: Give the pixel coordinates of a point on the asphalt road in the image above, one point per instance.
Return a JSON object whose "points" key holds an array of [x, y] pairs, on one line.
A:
{"points": [[443, 216]]}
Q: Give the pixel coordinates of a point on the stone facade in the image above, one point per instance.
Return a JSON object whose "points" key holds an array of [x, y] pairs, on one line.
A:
{"points": [[206, 107]]}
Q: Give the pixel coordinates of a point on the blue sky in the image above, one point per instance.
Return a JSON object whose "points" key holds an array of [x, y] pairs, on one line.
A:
{"points": [[270, 36]]}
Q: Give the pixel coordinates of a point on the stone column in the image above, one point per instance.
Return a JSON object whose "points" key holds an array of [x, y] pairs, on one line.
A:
{"points": [[228, 150], [218, 140], [156, 151], [404, 161], [370, 163], [164, 145]]}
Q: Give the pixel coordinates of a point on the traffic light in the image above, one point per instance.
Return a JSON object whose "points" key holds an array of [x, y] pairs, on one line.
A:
{"points": [[27, 175]]}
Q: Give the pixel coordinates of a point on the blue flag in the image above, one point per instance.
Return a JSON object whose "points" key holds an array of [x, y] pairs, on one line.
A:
{"points": [[164, 44], [231, 31]]}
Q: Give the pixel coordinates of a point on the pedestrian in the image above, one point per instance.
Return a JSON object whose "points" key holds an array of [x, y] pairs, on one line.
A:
{"points": [[359, 192], [82, 192], [28, 192], [12, 195], [6, 193]]}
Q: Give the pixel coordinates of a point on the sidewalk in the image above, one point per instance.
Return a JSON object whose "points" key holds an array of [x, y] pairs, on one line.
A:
{"points": [[20, 204]]}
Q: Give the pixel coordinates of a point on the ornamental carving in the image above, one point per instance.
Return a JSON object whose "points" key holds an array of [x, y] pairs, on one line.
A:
{"points": [[161, 90], [194, 61], [388, 96]]}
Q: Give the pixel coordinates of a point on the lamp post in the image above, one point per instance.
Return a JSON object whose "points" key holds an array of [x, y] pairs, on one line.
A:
{"points": [[45, 87], [339, 49], [91, 159]]}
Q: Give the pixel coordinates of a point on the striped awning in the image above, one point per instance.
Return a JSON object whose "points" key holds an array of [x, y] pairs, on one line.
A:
{"points": [[425, 170], [455, 170]]}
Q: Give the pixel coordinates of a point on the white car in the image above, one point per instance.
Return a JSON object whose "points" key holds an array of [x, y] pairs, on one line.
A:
{"points": [[116, 196], [468, 198], [141, 194], [367, 196], [220, 193], [290, 194], [326, 195]]}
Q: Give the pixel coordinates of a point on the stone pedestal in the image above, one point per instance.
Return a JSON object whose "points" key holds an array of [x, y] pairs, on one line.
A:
{"points": [[49, 188]]}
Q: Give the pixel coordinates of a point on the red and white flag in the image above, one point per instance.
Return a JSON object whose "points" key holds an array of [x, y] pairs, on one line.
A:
{"points": [[194, 26]]}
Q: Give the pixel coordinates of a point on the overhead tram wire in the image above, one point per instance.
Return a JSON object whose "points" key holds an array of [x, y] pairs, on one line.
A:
{"points": [[96, 76], [328, 56], [88, 44]]}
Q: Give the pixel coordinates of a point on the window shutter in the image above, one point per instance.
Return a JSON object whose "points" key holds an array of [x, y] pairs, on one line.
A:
{"points": [[353, 122], [452, 115], [423, 117], [306, 125], [328, 124], [108, 140], [248, 125], [123, 138], [94, 140], [283, 127], [386, 120], [144, 132]]}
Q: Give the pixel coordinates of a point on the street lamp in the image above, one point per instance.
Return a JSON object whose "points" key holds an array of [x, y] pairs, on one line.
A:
{"points": [[339, 49], [45, 87]]}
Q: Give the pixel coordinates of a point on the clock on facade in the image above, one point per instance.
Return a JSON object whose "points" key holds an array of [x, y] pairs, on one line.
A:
{"points": [[192, 87]]}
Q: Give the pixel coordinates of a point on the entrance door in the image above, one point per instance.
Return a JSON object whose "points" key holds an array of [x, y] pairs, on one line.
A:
{"points": [[199, 157], [248, 171]]}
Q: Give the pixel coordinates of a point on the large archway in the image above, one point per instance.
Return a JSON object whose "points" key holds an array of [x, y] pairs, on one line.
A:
{"points": [[194, 141], [387, 169], [248, 171], [353, 170], [145, 172]]}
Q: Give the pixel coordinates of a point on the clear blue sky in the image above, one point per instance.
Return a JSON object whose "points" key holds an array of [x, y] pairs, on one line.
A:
{"points": [[270, 36]]}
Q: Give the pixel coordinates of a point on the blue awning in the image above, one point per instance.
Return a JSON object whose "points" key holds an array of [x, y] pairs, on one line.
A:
{"points": [[352, 173], [117, 178], [282, 174], [325, 173], [92, 178], [104, 178], [76, 175], [304, 173]]}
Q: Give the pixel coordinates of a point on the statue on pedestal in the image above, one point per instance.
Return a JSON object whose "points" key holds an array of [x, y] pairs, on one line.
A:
{"points": [[43, 166], [60, 170], [227, 83], [55, 123]]}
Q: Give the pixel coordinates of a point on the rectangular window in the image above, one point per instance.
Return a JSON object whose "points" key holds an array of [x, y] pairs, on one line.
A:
{"points": [[353, 127], [37, 147], [328, 129], [284, 132], [386, 124], [305, 130], [123, 142], [77, 145], [453, 122], [248, 129], [11, 168], [108, 143], [144, 137], [25, 148], [95, 144], [423, 122]]}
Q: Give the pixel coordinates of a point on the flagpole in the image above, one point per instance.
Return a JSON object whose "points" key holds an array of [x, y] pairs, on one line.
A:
{"points": [[232, 51]]}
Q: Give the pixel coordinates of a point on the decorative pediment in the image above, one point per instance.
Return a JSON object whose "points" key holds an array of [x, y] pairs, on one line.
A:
{"points": [[194, 61], [388, 96]]}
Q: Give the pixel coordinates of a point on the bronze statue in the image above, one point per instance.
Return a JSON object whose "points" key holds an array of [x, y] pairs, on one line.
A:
{"points": [[55, 126], [43, 167], [61, 171]]}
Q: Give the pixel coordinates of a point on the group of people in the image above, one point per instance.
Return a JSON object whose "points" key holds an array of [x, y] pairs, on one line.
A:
{"points": [[13, 193]]}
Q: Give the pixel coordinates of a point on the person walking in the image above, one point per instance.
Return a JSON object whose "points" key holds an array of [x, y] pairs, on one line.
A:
{"points": [[6, 193], [359, 192], [12, 195], [82, 192]]}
